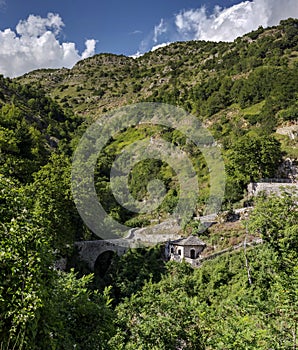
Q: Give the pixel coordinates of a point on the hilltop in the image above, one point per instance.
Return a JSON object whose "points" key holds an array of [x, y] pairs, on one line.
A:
{"points": [[197, 75]]}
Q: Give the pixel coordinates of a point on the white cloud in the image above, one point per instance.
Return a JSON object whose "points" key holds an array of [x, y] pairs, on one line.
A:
{"points": [[35, 25], [188, 23], [160, 45], [224, 24], [34, 45], [137, 55], [135, 32], [90, 48], [159, 30]]}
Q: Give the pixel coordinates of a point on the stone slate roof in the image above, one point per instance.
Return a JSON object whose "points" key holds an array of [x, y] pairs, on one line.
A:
{"points": [[190, 240]]}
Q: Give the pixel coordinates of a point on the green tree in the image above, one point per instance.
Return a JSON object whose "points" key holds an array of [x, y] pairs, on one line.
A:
{"points": [[161, 317], [128, 273], [25, 256], [276, 219], [41, 308], [54, 204], [73, 315], [253, 157]]}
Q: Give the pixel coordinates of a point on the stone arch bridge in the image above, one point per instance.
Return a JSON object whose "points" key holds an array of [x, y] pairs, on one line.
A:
{"points": [[90, 251]]}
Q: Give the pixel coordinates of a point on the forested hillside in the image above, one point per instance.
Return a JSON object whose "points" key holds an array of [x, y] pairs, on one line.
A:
{"points": [[242, 92]]}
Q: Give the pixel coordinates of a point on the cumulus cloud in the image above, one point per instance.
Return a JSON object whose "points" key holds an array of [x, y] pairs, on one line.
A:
{"points": [[90, 48], [36, 26], [223, 24], [34, 44]]}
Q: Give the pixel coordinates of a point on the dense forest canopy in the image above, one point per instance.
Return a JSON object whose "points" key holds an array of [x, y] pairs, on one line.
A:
{"points": [[243, 92]]}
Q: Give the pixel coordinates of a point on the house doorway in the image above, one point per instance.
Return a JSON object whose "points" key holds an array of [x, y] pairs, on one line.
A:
{"points": [[192, 254]]}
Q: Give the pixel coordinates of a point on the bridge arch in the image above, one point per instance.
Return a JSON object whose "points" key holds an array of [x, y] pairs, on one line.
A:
{"points": [[103, 262], [91, 251]]}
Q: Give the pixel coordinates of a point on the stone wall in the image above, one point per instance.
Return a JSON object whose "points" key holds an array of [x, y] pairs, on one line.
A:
{"points": [[256, 188], [166, 231]]}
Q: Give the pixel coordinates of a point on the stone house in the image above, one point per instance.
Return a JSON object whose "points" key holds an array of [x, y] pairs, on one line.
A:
{"points": [[189, 249]]}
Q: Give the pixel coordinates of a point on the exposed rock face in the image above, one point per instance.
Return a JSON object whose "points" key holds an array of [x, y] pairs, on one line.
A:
{"points": [[291, 131], [288, 170]]}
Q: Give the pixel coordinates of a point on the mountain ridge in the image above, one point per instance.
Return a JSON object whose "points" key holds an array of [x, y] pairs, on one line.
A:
{"points": [[107, 81]]}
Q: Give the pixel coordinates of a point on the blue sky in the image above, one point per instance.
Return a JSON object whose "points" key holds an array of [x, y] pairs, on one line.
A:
{"points": [[118, 26], [56, 33]]}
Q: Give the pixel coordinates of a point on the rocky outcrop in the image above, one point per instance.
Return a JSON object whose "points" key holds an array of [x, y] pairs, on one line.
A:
{"points": [[291, 131], [288, 170]]}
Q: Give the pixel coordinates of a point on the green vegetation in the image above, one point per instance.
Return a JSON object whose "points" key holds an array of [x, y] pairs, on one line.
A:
{"points": [[243, 92], [218, 306]]}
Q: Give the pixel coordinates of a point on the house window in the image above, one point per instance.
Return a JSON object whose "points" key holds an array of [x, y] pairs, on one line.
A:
{"points": [[172, 250], [192, 254], [179, 251]]}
